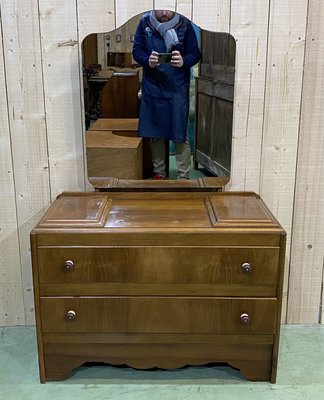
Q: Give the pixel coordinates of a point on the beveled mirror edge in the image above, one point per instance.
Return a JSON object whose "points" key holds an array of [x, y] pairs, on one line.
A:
{"points": [[111, 184]]}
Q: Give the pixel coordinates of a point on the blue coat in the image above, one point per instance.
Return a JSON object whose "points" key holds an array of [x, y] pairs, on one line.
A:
{"points": [[165, 89]]}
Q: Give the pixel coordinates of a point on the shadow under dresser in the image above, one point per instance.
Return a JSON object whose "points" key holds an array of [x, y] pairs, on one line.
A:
{"points": [[158, 279]]}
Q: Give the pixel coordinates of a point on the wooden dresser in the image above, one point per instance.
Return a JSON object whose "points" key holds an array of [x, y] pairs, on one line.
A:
{"points": [[158, 280]]}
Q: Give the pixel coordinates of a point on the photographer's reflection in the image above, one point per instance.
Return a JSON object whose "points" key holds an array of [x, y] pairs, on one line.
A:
{"points": [[165, 85]]}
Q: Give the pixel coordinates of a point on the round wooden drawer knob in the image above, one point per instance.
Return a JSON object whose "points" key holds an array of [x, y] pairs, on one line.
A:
{"points": [[245, 319], [246, 268], [68, 266], [70, 315]]}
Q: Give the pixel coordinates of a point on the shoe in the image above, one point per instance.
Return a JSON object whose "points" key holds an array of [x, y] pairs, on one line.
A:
{"points": [[158, 177]]}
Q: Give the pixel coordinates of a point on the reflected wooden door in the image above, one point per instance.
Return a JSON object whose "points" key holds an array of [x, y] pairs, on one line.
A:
{"points": [[214, 103]]}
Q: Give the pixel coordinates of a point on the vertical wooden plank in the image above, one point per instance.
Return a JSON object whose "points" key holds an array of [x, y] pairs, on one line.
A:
{"points": [[11, 292], [306, 275], [125, 10], [212, 15], [322, 298], [165, 5], [21, 41], [282, 105], [61, 71], [95, 16], [287, 27], [184, 7], [249, 26]]}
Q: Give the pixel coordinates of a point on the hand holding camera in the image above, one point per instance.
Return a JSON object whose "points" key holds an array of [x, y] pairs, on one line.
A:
{"points": [[154, 59], [174, 58]]}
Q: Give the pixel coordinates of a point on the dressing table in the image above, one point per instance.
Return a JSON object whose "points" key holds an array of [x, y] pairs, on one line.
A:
{"points": [[158, 274]]}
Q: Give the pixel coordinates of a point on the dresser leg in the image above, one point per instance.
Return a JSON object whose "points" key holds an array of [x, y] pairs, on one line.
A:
{"points": [[254, 370], [58, 368]]}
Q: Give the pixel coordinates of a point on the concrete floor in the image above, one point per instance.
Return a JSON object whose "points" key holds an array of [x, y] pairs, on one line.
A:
{"points": [[300, 374]]}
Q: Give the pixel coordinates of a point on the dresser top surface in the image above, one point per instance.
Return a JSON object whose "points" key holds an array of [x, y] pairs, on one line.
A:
{"points": [[150, 211]]}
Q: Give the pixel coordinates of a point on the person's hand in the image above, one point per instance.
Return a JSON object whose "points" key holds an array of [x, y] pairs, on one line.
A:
{"points": [[153, 59], [176, 60]]}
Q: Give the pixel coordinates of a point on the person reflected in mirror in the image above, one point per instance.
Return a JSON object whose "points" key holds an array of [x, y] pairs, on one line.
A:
{"points": [[164, 105]]}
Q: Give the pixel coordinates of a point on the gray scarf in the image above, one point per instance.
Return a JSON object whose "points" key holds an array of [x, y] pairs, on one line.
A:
{"points": [[166, 30]]}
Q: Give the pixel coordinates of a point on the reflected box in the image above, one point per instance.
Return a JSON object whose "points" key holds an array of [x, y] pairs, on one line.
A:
{"points": [[112, 155]]}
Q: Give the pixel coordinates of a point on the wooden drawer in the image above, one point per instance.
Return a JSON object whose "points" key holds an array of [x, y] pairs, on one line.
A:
{"points": [[158, 315], [158, 270]]}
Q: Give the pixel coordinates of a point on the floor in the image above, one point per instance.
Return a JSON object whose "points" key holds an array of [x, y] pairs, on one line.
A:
{"points": [[300, 374], [194, 173]]}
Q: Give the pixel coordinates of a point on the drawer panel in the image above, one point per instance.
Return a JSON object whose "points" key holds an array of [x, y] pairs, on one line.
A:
{"points": [[162, 266], [158, 315]]}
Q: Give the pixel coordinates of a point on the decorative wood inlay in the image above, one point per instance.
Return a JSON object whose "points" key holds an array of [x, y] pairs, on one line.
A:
{"points": [[242, 210], [77, 211]]}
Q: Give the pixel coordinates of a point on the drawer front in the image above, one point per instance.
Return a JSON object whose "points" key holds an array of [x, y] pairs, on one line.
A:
{"points": [[253, 270], [158, 315]]}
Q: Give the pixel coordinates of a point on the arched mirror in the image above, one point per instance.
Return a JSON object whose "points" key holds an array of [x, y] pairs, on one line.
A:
{"points": [[112, 80]]}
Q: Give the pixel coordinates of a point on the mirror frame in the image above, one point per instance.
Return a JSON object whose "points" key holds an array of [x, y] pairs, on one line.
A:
{"points": [[116, 184]]}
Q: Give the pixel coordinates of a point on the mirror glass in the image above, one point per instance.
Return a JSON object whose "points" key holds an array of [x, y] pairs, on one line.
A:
{"points": [[112, 82]]}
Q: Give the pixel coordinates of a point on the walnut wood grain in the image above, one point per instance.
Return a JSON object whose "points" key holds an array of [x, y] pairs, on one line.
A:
{"points": [[77, 211], [158, 314], [156, 279], [160, 211], [163, 270], [254, 360]]}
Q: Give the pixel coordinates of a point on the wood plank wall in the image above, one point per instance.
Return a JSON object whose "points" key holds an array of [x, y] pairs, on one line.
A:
{"points": [[278, 143]]}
